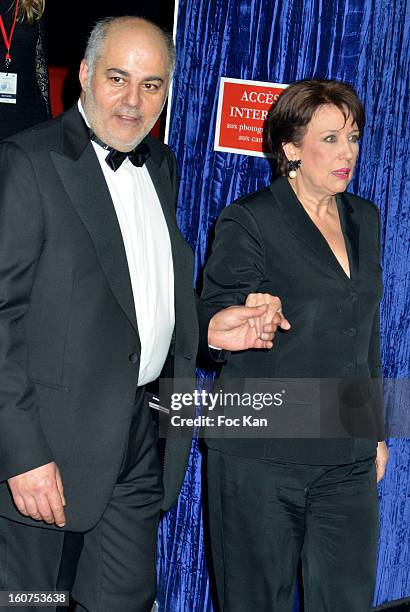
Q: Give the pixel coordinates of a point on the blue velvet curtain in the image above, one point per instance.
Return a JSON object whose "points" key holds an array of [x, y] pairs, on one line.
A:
{"points": [[365, 42]]}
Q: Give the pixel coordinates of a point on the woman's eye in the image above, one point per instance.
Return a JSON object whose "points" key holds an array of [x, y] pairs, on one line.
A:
{"points": [[354, 138], [330, 138]]}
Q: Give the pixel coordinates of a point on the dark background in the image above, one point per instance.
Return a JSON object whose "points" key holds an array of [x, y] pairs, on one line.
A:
{"points": [[68, 26]]}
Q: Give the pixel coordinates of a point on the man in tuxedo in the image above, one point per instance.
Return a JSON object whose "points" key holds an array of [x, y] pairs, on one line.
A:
{"points": [[96, 299]]}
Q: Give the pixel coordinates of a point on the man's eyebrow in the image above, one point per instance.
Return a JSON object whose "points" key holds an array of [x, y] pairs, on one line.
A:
{"points": [[118, 71], [124, 73], [154, 78]]}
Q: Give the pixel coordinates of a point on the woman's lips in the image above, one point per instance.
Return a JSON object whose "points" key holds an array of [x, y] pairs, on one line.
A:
{"points": [[342, 173]]}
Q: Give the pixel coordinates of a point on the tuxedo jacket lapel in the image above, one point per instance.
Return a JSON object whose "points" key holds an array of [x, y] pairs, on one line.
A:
{"points": [[162, 184], [82, 177], [182, 256]]}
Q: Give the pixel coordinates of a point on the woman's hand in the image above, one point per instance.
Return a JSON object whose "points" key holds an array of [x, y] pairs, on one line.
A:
{"points": [[252, 326], [382, 457], [273, 314]]}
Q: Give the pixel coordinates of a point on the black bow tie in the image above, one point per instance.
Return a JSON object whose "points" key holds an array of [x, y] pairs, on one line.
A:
{"points": [[114, 159]]}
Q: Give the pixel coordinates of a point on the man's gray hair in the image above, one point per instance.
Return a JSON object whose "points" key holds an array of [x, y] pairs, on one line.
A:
{"points": [[99, 33]]}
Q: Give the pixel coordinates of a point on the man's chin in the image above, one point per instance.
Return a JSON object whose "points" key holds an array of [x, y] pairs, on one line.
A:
{"points": [[125, 145], [126, 141]]}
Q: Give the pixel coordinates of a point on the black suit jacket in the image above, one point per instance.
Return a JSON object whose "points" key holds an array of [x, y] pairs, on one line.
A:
{"points": [[69, 344], [266, 242]]}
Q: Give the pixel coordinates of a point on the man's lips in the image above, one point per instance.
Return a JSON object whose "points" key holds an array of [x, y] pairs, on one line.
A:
{"points": [[128, 118], [341, 173]]}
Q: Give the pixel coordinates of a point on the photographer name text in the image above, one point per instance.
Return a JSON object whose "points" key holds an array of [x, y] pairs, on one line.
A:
{"points": [[220, 421]]}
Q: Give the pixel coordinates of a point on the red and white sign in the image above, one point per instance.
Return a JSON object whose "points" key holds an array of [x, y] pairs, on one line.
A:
{"points": [[242, 110]]}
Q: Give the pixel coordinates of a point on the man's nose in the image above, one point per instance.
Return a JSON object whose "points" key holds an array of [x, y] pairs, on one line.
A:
{"points": [[133, 96]]}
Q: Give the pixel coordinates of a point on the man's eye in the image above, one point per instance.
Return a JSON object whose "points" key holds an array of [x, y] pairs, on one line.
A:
{"points": [[151, 86], [117, 79]]}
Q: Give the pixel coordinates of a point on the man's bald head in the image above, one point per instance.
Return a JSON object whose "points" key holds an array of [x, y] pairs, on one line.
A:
{"points": [[109, 25]]}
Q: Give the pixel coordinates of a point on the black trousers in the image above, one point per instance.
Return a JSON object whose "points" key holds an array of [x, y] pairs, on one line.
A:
{"points": [[112, 567], [265, 516]]}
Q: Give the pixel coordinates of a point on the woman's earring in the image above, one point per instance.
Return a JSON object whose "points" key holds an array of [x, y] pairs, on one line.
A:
{"points": [[293, 164]]}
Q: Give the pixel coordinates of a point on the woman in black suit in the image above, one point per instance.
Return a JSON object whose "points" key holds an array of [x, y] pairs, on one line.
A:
{"points": [[308, 496]]}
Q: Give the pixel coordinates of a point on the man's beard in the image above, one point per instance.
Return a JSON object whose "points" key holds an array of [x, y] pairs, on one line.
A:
{"points": [[93, 116]]}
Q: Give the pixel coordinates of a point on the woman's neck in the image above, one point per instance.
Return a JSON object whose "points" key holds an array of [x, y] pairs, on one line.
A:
{"points": [[315, 203]]}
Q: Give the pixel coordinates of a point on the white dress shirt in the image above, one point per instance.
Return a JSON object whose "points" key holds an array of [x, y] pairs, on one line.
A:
{"points": [[148, 250]]}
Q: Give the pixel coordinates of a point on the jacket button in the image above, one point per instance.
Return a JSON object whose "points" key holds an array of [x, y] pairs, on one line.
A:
{"points": [[134, 358], [352, 331]]}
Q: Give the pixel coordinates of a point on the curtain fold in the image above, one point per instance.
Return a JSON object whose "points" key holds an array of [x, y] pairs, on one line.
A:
{"points": [[365, 42]]}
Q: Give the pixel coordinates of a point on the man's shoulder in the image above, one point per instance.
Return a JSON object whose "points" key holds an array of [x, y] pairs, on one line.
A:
{"points": [[160, 150], [45, 136], [37, 136], [156, 144]]}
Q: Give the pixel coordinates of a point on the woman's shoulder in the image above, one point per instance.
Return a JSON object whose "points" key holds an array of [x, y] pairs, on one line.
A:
{"points": [[255, 202], [362, 205], [367, 211], [257, 211], [248, 213], [250, 210]]}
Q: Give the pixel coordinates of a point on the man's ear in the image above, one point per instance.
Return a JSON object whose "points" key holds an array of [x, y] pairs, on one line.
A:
{"points": [[289, 150], [83, 74]]}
